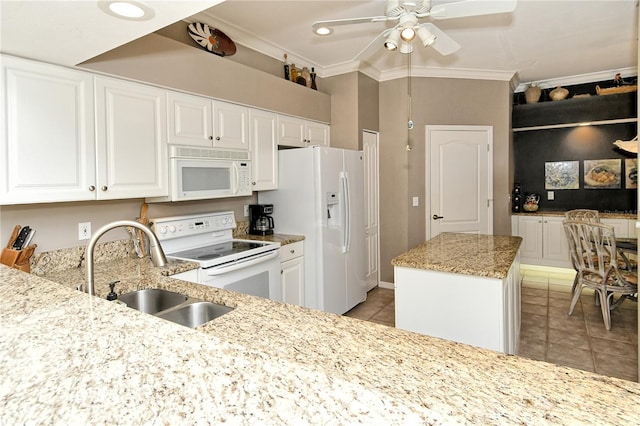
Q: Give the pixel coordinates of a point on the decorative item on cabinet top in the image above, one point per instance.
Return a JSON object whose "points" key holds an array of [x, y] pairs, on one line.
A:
{"points": [[212, 39], [532, 94], [302, 76], [558, 94]]}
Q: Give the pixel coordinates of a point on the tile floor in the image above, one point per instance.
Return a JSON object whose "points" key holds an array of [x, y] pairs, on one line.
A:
{"points": [[547, 333]]}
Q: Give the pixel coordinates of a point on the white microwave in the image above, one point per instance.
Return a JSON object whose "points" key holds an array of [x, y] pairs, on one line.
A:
{"points": [[204, 173]]}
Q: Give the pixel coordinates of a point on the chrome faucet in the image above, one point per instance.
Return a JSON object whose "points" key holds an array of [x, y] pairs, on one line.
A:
{"points": [[157, 255]]}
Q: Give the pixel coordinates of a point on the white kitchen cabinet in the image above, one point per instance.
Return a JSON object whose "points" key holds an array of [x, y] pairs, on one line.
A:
{"points": [[292, 270], [543, 240], [264, 150], [131, 140], [620, 226], [200, 121], [47, 142], [299, 133]]}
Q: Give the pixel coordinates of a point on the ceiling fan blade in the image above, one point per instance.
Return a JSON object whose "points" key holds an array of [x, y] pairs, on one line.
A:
{"points": [[444, 44], [466, 8], [348, 21]]}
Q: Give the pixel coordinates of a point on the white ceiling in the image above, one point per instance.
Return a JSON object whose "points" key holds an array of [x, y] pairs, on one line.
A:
{"points": [[541, 41]]}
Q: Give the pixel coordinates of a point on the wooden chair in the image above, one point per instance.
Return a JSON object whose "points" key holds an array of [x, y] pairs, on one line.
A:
{"points": [[595, 256]]}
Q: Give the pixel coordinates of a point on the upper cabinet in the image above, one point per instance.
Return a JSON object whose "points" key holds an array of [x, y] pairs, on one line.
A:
{"points": [[70, 136], [131, 135], [200, 121], [299, 133], [47, 147], [264, 150]]}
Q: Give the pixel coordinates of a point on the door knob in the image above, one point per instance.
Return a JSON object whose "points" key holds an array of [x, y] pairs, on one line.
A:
{"points": [[436, 217]]}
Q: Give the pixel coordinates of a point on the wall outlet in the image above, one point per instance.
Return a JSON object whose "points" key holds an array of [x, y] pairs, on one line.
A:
{"points": [[551, 195], [84, 231], [416, 201], [246, 210]]}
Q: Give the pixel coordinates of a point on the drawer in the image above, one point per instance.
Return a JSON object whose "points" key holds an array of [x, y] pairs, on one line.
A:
{"points": [[290, 251]]}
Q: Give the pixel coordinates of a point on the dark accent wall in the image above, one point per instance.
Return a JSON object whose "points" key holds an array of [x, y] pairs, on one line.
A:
{"points": [[533, 148]]}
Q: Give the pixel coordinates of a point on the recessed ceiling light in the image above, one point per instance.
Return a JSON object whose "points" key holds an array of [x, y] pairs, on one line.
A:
{"points": [[130, 10], [323, 31]]}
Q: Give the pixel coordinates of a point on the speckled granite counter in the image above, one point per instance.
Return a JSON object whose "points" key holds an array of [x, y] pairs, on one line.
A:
{"points": [[283, 239], [467, 254], [604, 215], [69, 358]]}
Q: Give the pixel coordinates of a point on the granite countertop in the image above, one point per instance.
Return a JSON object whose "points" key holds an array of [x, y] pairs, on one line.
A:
{"points": [[71, 358], [283, 239], [468, 254], [605, 215]]}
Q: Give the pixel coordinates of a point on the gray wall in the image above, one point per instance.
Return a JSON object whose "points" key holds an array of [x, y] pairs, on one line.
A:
{"points": [[436, 101]]}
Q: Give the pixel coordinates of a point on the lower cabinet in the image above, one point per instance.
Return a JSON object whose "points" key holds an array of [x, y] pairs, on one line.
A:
{"points": [[292, 273], [543, 240]]}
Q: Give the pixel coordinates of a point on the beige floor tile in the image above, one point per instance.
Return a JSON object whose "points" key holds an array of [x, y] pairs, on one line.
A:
{"points": [[570, 356], [615, 366], [532, 332], [534, 300], [575, 337], [533, 349], [614, 347], [386, 314], [533, 309], [597, 329], [563, 311], [531, 291], [561, 287], [559, 295]]}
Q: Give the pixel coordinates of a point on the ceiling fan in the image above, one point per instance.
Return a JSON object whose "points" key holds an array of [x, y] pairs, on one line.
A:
{"points": [[408, 13]]}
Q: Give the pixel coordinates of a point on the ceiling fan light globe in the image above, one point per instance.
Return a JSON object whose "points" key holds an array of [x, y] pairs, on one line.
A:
{"points": [[426, 37], [408, 34], [393, 40]]}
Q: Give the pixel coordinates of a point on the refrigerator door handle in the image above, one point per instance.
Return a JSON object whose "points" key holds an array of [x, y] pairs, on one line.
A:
{"points": [[346, 228]]}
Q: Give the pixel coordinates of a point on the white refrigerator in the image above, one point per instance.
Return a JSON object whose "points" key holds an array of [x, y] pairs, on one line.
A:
{"points": [[321, 195]]}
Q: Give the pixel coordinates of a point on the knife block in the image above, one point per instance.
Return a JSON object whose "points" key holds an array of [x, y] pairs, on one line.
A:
{"points": [[18, 259]]}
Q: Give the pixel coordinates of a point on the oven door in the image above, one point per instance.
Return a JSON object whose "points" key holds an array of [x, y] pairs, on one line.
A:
{"points": [[257, 276]]}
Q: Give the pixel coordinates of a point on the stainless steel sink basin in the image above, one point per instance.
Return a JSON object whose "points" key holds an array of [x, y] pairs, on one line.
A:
{"points": [[195, 314], [174, 307], [152, 300]]}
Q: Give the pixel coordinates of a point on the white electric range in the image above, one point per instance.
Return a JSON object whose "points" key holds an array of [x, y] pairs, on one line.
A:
{"points": [[246, 266]]}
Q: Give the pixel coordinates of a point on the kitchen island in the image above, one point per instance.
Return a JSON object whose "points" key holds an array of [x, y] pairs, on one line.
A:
{"points": [[73, 359], [461, 287]]}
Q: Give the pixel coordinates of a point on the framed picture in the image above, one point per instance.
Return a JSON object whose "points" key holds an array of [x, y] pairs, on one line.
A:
{"points": [[602, 174], [562, 175], [631, 173]]}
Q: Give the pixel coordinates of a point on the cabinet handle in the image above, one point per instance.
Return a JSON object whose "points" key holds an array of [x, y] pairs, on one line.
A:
{"points": [[253, 183], [92, 188], [104, 188], [210, 138], [292, 251], [217, 138]]}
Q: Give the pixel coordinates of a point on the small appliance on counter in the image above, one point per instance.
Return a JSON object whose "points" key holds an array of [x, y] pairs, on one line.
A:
{"points": [[260, 219]]}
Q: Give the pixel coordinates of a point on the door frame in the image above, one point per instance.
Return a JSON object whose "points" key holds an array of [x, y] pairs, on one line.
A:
{"points": [[377, 206], [427, 188]]}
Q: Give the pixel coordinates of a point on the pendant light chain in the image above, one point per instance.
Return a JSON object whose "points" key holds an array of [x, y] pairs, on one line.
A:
{"points": [[409, 120]]}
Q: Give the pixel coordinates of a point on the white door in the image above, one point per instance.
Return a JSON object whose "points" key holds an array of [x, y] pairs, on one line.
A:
{"points": [[459, 178], [371, 207]]}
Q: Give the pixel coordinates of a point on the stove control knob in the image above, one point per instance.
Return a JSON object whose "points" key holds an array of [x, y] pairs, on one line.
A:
{"points": [[172, 229], [163, 229]]}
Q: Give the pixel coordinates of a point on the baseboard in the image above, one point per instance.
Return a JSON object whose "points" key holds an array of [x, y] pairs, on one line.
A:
{"points": [[384, 284]]}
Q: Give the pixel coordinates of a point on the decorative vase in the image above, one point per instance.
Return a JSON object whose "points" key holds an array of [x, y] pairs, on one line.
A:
{"points": [[532, 94], [558, 94]]}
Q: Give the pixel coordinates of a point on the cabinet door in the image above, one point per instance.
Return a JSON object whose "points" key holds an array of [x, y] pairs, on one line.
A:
{"points": [[317, 133], [620, 226], [230, 126], [47, 147], [555, 246], [264, 150], [530, 229], [190, 120], [131, 134], [291, 131], [293, 281]]}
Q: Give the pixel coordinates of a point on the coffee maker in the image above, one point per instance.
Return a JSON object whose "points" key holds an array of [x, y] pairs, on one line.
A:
{"points": [[260, 220]]}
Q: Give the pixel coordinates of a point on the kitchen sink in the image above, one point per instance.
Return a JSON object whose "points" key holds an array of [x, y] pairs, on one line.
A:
{"points": [[195, 314], [152, 300], [174, 307]]}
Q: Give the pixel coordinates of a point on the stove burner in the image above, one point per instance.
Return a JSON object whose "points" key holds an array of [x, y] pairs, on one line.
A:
{"points": [[208, 256], [217, 250]]}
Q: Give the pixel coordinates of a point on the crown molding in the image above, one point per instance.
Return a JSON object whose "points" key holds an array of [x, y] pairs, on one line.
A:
{"points": [[579, 79], [460, 73]]}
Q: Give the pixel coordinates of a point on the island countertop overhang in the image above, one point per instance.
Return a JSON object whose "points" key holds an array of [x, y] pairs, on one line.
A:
{"points": [[468, 254]]}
